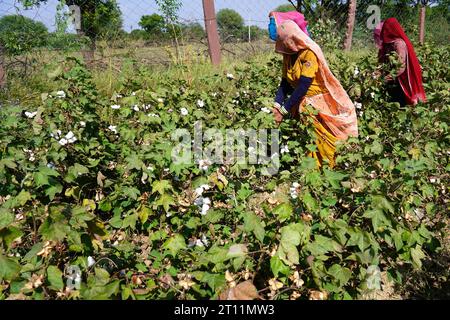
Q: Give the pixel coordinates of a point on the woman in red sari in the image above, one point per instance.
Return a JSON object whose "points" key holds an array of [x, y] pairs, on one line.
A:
{"points": [[407, 87]]}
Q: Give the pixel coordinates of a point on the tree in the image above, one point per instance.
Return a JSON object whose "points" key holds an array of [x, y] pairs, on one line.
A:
{"points": [[230, 23], [193, 31], [152, 24], [100, 19], [19, 34], [285, 8], [350, 24]]}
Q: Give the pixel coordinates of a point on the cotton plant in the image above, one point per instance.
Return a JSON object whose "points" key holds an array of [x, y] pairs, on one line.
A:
{"points": [[64, 140]]}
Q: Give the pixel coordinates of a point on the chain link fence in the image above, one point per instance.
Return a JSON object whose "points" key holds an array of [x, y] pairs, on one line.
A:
{"points": [[162, 32]]}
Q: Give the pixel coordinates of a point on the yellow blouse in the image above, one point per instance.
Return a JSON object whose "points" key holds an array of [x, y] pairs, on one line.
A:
{"points": [[303, 64]]}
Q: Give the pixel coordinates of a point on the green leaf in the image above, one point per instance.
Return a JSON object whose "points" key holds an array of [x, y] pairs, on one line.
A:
{"points": [[21, 199], [252, 223], [8, 235], [379, 220], [291, 237], [417, 255], [166, 200], [9, 268], [214, 281], [380, 202], [161, 186], [310, 202], [237, 250], [278, 267], [339, 273], [54, 277], [6, 218], [175, 244], [283, 211]]}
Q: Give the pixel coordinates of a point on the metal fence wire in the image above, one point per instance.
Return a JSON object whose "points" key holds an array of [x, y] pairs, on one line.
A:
{"points": [[148, 30]]}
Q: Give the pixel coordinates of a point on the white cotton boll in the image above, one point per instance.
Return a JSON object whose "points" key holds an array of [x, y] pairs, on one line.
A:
{"points": [[296, 185], [205, 240], [432, 180], [358, 105], [205, 208], [90, 261], [184, 111], [203, 165], [200, 103], [63, 141], [72, 140], [153, 115], [160, 100], [372, 95], [60, 94], [31, 114], [150, 168], [356, 72], [51, 165], [135, 108], [230, 76], [284, 149], [82, 124], [133, 94], [206, 201], [115, 106], [198, 202], [199, 243], [266, 110], [32, 158], [69, 135], [199, 191], [113, 128]]}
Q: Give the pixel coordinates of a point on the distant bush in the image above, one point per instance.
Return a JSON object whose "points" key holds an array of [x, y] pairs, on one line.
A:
{"points": [[20, 35]]}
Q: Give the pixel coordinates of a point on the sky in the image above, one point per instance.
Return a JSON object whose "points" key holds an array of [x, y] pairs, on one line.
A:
{"points": [[254, 12]]}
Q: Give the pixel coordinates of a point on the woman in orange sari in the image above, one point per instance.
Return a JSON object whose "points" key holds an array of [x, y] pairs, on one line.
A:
{"points": [[308, 80]]}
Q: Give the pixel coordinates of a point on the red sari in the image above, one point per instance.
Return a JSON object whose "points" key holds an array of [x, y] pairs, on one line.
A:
{"points": [[410, 80]]}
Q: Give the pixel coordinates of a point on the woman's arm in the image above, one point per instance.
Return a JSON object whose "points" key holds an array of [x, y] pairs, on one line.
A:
{"points": [[302, 88], [283, 90], [402, 52]]}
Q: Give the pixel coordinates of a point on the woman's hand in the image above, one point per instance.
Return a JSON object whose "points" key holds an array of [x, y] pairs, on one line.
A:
{"points": [[277, 116], [388, 78]]}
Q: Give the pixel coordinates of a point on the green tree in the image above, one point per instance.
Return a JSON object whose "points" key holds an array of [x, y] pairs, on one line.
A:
{"points": [[19, 34], [100, 19], [285, 8], [193, 31], [230, 23], [152, 24]]}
